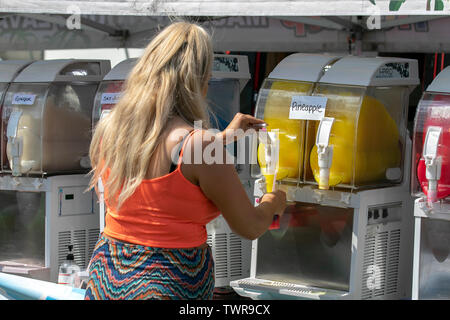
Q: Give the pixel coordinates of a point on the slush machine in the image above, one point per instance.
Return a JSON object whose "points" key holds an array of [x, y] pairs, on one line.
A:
{"points": [[46, 127], [229, 76], [430, 184], [337, 144]]}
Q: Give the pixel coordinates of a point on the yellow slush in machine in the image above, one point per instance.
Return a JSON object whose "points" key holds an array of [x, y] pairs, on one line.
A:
{"points": [[295, 77], [430, 184], [46, 122], [347, 231]]}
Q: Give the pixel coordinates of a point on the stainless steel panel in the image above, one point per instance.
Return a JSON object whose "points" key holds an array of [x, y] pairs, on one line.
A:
{"points": [[22, 227], [311, 247], [434, 272]]}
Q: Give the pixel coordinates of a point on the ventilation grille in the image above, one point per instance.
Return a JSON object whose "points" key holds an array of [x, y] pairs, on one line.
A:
{"points": [[381, 264], [64, 239], [393, 263], [83, 242], [227, 249], [221, 256], [79, 247], [209, 240], [235, 256], [92, 241]]}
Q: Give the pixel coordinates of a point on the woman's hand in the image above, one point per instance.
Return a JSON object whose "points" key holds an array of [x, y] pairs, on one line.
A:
{"points": [[277, 200], [239, 126]]}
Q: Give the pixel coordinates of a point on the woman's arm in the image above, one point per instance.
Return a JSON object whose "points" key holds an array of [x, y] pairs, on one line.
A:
{"points": [[220, 183]]}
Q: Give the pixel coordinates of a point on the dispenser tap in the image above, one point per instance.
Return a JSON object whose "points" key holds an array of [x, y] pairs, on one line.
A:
{"points": [[14, 142], [433, 163], [324, 151], [15, 147], [271, 152]]}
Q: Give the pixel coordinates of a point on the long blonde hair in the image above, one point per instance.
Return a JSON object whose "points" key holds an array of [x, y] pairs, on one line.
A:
{"points": [[167, 81]]}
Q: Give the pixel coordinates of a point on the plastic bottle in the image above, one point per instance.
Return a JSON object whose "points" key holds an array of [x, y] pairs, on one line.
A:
{"points": [[68, 270]]}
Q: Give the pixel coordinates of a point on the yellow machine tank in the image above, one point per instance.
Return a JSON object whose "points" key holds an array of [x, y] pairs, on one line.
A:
{"points": [[375, 149], [291, 132], [366, 143]]}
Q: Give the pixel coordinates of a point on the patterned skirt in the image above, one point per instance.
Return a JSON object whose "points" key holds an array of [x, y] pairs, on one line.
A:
{"points": [[119, 270]]}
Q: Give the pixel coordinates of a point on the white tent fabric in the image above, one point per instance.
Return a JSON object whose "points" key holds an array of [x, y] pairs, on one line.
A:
{"points": [[229, 7], [243, 33], [236, 25]]}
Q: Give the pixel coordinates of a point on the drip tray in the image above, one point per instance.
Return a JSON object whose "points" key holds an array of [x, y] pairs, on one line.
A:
{"points": [[289, 290]]}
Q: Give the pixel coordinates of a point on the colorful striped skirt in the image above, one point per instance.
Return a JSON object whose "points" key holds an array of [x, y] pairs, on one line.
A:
{"points": [[119, 270]]}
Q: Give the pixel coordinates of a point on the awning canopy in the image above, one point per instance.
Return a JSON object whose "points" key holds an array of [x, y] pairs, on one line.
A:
{"points": [[229, 7], [236, 25]]}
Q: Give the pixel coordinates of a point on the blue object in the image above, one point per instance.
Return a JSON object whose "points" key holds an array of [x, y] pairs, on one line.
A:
{"points": [[22, 288]]}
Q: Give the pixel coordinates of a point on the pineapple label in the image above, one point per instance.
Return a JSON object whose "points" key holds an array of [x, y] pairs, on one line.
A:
{"points": [[307, 107]]}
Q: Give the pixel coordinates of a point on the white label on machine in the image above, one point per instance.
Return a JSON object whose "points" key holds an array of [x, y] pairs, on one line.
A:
{"points": [[307, 108], [110, 98], [226, 64], [394, 70], [24, 99]]}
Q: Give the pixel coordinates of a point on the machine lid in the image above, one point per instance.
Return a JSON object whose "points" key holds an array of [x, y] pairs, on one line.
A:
{"points": [[53, 71], [302, 67], [121, 70], [228, 66], [10, 68], [376, 71], [441, 83]]}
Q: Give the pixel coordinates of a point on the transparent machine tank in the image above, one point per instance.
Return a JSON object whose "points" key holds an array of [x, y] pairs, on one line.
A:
{"points": [[295, 76], [9, 69], [431, 144], [47, 115], [368, 133], [430, 185], [347, 230], [110, 89]]}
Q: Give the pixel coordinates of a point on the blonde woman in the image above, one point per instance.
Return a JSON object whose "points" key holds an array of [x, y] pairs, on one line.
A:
{"points": [[154, 242]]}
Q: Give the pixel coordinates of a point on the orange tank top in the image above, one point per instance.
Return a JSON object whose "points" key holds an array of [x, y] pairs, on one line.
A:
{"points": [[165, 212]]}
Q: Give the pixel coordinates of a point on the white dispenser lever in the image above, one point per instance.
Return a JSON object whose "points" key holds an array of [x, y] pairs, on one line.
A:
{"points": [[104, 113], [324, 151], [15, 143], [271, 152], [432, 161]]}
